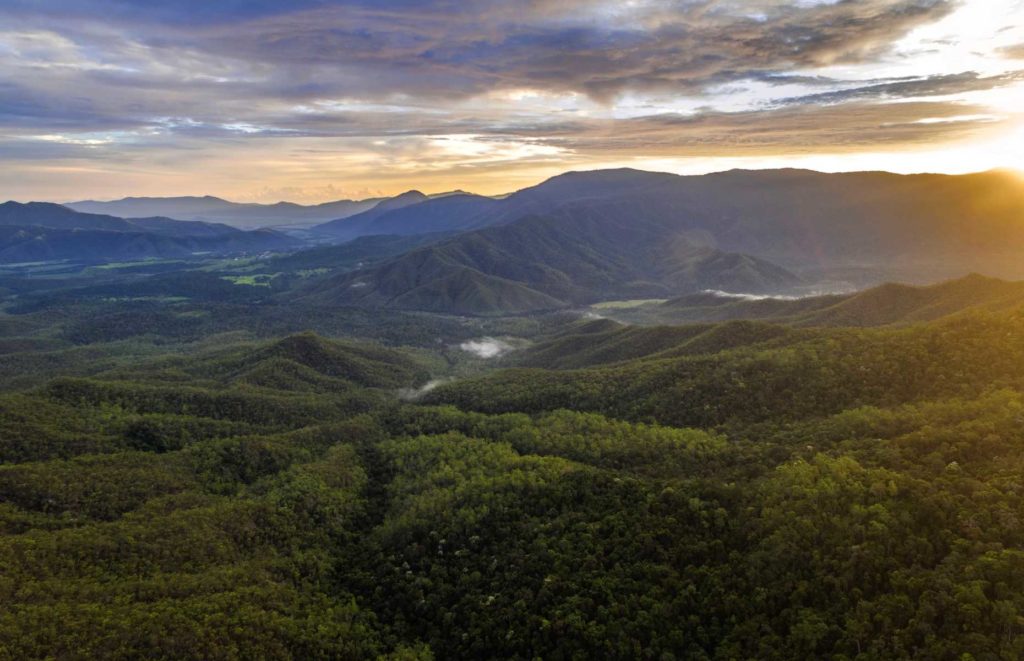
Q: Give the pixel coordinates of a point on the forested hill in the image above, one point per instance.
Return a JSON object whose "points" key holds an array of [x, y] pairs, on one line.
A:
{"points": [[544, 263], [891, 303], [796, 375], [234, 455], [742, 490]]}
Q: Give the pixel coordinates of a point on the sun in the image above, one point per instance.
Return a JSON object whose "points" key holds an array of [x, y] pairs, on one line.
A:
{"points": [[1006, 150]]}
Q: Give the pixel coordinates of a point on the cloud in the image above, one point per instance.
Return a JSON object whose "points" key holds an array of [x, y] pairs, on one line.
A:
{"points": [[310, 195], [750, 297], [444, 50], [486, 347], [940, 85], [413, 394], [299, 91], [835, 128], [1015, 52]]}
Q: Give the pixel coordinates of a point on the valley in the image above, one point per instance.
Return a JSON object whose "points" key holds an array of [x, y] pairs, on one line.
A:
{"points": [[506, 437]]}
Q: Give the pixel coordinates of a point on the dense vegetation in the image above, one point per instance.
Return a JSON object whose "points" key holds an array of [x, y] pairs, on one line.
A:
{"points": [[547, 262], [239, 454], [184, 474], [886, 304]]}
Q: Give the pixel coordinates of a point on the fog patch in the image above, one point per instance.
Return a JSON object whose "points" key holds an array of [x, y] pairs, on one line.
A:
{"points": [[412, 394], [486, 347], [751, 297]]}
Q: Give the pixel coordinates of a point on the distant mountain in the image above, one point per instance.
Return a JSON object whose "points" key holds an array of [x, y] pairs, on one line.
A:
{"points": [[40, 231], [630, 233], [879, 306], [56, 216], [457, 212], [21, 244], [362, 224], [234, 213], [865, 227], [916, 227], [360, 253], [460, 212], [537, 263]]}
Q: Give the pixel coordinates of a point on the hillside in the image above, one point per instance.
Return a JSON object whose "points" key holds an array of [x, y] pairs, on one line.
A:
{"points": [[811, 374], [351, 255], [363, 223], [866, 227], [916, 226], [185, 477], [37, 244], [878, 306], [56, 216], [294, 363], [566, 259]]}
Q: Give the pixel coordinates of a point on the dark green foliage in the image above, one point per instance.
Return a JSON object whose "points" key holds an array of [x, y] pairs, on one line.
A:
{"points": [[349, 256], [127, 240], [598, 343], [741, 490], [821, 374], [545, 262], [879, 306]]}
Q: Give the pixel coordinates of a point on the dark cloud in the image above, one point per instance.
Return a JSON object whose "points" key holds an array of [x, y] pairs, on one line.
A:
{"points": [[440, 49], [103, 64], [943, 85], [481, 46]]}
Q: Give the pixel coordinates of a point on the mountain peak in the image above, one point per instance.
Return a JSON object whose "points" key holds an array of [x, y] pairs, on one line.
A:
{"points": [[410, 194]]}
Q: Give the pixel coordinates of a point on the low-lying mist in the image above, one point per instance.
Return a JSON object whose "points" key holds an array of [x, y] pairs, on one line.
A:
{"points": [[487, 347]]}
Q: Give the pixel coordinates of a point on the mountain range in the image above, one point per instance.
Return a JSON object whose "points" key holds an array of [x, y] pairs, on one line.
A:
{"points": [[209, 208], [40, 231], [415, 213], [863, 226], [584, 237], [549, 262]]}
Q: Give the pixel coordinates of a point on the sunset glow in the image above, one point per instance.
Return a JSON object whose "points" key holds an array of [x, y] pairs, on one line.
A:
{"points": [[313, 101]]}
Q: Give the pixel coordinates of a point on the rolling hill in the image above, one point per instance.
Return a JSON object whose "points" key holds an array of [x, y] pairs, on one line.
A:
{"points": [[21, 244], [890, 303], [297, 362], [541, 263], [605, 342], [758, 378], [351, 255]]}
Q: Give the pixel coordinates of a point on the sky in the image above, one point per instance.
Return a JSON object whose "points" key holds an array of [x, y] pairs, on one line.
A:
{"points": [[315, 100]]}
